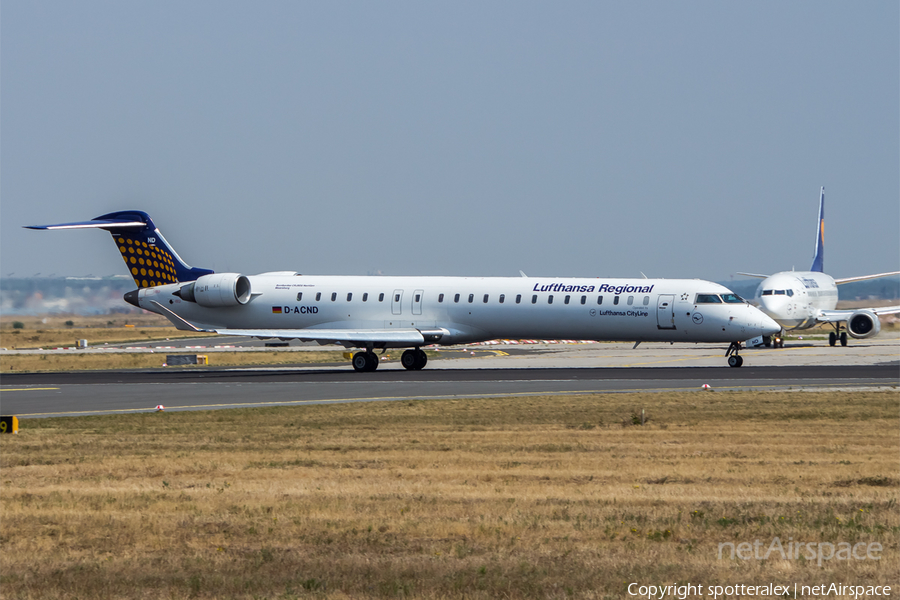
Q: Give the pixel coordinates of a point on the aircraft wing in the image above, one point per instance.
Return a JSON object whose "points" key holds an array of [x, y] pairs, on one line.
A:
{"points": [[406, 336], [835, 316], [757, 275], [864, 277]]}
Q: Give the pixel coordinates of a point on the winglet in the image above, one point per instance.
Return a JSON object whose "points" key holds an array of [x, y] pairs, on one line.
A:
{"points": [[819, 258]]}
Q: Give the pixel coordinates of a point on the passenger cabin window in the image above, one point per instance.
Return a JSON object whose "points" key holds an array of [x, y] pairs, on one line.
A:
{"points": [[534, 299], [471, 298], [708, 299], [299, 296], [502, 298], [599, 299], [396, 297], [566, 301], [485, 298], [518, 298], [550, 299], [583, 299], [440, 297], [418, 297], [456, 298], [381, 297], [349, 296], [732, 299], [366, 297], [615, 299], [333, 296], [646, 300], [630, 300], [318, 296]]}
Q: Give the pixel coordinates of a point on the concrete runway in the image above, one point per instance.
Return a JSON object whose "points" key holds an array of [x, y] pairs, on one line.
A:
{"points": [[479, 371]]}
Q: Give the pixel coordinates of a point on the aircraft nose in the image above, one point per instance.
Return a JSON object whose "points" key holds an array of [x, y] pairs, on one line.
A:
{"points": [[768, 324]]}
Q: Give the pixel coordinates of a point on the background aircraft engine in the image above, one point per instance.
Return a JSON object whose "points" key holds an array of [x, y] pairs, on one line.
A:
{"points": [[217, 290], [863, 324]]}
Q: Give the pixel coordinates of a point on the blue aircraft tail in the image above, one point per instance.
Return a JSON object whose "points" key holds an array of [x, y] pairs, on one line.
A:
{"points": [[819, 258], [149, 257]]}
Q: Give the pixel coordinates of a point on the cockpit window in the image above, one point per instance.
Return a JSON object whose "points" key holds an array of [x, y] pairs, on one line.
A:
{"points": [[767, 292], [732, 298], [790, 293], [708, 299], [779, 292]]}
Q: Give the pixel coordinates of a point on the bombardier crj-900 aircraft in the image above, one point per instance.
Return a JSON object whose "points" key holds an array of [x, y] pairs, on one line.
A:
{"points": [[375, 313], [804, 299]]}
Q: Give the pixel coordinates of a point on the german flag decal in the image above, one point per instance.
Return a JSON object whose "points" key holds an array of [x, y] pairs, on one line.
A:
{"points": [[276, 310]]}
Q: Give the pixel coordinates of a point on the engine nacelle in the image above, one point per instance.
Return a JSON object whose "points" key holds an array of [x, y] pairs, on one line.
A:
{"points": [[217, 290], [863, 324]]}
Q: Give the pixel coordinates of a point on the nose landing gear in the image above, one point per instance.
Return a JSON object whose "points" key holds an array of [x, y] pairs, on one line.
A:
{"points": [[734, 359], [833, 336]]}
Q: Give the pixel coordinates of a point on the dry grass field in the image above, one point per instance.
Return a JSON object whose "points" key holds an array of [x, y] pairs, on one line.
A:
{"points": [[32, 363], [535, 497]]}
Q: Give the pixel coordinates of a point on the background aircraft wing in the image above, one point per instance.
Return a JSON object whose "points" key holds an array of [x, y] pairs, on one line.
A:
{"points": [[757, 275], [835, 316], [406, 336], [864, 277]]}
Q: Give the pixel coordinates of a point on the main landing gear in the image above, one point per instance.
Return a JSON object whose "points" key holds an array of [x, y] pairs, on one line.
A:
{"points": [[833, 336], [413, 360], [365, 361], [734, 359]]}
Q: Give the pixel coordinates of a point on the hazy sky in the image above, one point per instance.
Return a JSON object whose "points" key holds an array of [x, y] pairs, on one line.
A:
{"points": [[681, 139]]}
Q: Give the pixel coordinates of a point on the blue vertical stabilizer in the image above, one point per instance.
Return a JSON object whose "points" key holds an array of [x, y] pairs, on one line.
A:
{"points": [[819, 258]]}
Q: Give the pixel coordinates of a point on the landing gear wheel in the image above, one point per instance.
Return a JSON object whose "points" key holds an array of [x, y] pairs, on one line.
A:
{"points": [[413, 360], [843, 338], [409, 359], [365, 362], [832, 338], [735, 360]]}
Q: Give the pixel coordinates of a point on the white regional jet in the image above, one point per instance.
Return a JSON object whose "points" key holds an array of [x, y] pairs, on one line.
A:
{"points": [[374, 313], [804, 299]]}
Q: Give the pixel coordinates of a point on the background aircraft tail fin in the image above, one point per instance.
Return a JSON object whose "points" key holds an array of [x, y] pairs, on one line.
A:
{"points": [[819, 258], [149, 257]]}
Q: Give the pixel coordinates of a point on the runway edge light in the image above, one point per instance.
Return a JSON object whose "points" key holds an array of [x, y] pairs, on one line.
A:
{"points": [[9, 424]]}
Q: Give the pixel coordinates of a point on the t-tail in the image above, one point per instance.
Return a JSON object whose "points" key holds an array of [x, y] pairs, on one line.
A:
{"points": [[149, 257], [819, 258]]}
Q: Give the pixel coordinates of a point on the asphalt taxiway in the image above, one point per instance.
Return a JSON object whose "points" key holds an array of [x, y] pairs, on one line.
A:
{"points": [[482, 371]]}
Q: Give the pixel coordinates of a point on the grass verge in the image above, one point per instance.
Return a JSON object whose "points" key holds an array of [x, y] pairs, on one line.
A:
{"points": [[531, 497]]}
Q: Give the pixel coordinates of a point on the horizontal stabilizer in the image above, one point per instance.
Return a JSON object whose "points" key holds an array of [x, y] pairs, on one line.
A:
{"points": [[108, 224]]}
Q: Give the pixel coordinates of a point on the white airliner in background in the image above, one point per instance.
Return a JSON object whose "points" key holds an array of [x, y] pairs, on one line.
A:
{"points": [[804, 299], [373, 313]]}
